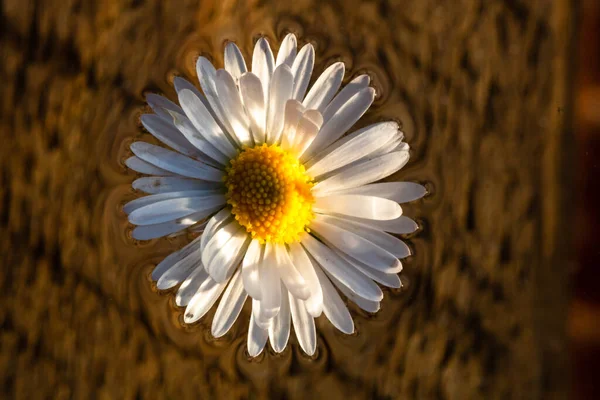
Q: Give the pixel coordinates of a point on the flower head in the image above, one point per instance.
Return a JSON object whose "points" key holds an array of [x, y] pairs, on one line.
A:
{"points": [[270, 194], [288, 208]]}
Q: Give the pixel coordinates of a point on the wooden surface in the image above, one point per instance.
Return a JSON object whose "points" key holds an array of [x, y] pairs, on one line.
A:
{"points": [[483, 311]]}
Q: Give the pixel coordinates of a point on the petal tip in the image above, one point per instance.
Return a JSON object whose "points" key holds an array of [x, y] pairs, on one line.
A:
{"points": [[311, 350], [217, 332], [290, 36], [179, 301], [230, 45], [348, 330], [254, 351]]}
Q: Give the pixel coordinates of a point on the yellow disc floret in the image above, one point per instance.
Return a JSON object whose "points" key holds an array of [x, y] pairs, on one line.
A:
{"points": [[270, 194]]}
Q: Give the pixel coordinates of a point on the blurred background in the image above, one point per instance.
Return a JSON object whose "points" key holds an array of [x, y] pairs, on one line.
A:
{"points": [[500, 102], [584, 316]]}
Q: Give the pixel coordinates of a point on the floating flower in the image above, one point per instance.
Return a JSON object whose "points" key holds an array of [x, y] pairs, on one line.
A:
{"points": [[287, 205]]}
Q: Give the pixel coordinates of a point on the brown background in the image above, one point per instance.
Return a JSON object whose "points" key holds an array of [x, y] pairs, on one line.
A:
{"points": [[483, 312], [584, 315]]}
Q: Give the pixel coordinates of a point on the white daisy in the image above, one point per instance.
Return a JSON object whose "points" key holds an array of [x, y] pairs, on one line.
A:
{"points": [[288, 208]]}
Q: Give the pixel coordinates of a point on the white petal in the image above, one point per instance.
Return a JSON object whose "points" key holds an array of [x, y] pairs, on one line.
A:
{"points": [[401, 225], [190, 286], [261, 316], [270, 298], [304, 265], [367, 305], [155, 198], [198, 227], [218, 240], [338, 267], [257, 337], [187, 129], [293, 280], [292, 114], [219, 220], [400, 192], [251, 270], [355, 246], [168, 134], [306, 131], [314, 116], [357, 205], [342, 120], [382, 148], [181, 84], [333, 306], [180, 270], [169, 210], [363, 173], [231, 101], [279, 330], [254, 100], [358, 83], [203, 300], [174, 258], [229, 256], [360, 145], [160, 105], [287, 51], [354, 149], [387, 279], [394, 145], [302, 69], [204, 123], [403, 146], [153, 231], [325, 87], [263, 64], [175, 162], [207, 76], [230, 306], [178, 273], [143, 167], [382, 239], [279, 93], [163, 184], [304, 326], [234, 61]]}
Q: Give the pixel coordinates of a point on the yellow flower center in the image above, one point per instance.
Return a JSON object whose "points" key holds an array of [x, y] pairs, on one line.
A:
{"points": [[270, 194]]}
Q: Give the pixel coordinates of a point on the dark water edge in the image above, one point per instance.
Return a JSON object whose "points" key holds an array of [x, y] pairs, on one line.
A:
{"points": [[481, 89]]}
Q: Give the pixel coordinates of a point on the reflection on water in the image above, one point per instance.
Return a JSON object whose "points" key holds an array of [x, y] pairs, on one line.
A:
{"points": [[81, 313]]}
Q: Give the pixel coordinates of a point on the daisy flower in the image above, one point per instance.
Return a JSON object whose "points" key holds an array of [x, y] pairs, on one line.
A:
{"points": [[286, 204]]}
